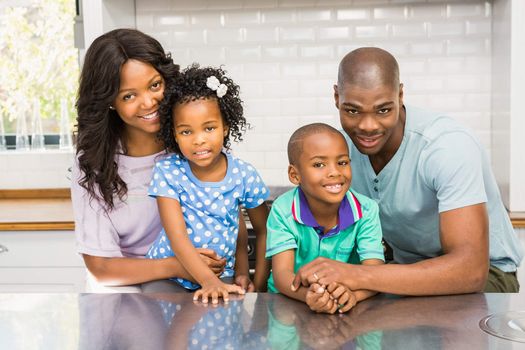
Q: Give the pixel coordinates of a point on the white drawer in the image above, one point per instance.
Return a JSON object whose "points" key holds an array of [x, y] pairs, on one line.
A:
{"points": [[39, 249]]}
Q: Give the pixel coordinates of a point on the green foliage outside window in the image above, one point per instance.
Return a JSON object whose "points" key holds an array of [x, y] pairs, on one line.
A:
{"points": [[38, 60]]}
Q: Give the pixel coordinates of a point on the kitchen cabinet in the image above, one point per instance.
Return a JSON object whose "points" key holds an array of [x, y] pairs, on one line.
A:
{"points": [[37, 242], [40, 261]]}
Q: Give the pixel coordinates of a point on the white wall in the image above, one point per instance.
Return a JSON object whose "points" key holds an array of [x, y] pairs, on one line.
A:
{"points": [[284, 55]]}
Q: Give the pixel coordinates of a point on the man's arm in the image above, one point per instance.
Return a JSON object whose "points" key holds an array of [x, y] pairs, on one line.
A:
{"points": [[463, 267]]}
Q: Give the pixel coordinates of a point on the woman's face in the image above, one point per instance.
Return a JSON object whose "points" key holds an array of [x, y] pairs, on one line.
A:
{"points": [[137, 103]]}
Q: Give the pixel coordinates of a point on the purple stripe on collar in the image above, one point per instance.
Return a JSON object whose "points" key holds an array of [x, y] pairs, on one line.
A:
{"points": [[345, 216]]}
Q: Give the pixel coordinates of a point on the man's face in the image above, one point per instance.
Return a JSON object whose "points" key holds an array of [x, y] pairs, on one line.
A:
{"points": [[371, 116]]}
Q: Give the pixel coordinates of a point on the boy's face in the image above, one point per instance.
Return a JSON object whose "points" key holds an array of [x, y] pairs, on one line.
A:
{"points": [[322, 169]]}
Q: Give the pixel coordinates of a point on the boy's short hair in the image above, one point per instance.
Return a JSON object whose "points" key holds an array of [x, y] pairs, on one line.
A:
{"points": [[296, 140]]}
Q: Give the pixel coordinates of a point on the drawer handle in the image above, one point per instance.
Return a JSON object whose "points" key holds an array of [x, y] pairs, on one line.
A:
{"points": [[3, 249]]}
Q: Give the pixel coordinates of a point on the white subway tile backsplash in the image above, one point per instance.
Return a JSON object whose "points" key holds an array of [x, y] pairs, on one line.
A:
{"points": [[285, 53], [224, 4], [279, 88], [353, 14], [475, 27], [447, 28], [280, 53], [298, 106], [390, 13], [261, 35], [225, 36], [449, 65], [428, 48], [206, 19], [409, 30], [317, 15], [333, 33], [296, 34], [208, 55], [465, 10], [317, 52], [243, 53], [262, 71], [299, 70], [371, 31], [242, 18], [278, 16], [172, 20], [427, 11], [188, 37]]}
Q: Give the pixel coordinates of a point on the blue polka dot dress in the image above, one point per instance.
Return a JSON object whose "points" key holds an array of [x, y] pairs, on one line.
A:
{"points": [[210, 209]]}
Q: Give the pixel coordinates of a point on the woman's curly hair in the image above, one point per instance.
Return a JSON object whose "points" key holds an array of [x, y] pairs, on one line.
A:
{"points": [[189, 86], [99, 128]]}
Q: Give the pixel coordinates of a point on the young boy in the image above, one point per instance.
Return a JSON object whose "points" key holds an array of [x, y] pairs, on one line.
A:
{"points": [[321, 217]]}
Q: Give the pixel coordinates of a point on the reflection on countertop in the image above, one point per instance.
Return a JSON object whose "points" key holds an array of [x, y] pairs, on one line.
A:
{"points": [[255, 321]]}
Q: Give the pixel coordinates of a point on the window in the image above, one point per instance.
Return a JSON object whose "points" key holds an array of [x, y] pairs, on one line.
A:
{"points": [[39, 64]]}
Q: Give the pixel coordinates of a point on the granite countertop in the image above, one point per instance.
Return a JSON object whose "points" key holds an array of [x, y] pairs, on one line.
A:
{"points": [[255, 321]]}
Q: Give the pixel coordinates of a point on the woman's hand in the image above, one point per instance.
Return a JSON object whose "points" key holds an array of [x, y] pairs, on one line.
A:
{"points": [[245, 283], [214, 262], [216, 289]]}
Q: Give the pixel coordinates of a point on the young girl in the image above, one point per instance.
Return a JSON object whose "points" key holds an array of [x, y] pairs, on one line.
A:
{"points": [[199, 188]]}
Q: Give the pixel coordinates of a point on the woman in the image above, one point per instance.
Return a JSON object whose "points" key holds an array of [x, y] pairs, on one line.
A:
{"points": [[121, 85]]}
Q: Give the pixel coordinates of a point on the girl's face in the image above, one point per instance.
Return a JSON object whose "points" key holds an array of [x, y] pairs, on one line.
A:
{"points": [[199, 131], [137, 103]]}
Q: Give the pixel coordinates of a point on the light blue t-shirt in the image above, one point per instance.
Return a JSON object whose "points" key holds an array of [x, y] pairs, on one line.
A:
{"points": [[439, 166], [210, 209]]}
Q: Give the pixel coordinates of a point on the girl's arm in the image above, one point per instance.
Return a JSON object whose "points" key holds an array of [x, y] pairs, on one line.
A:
{"points": [[173, 223], [242, 267], [258, 217]]}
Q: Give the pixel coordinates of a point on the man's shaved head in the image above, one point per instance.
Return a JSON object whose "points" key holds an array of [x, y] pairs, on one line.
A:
{"points": [[295, 144], [367, 67]]}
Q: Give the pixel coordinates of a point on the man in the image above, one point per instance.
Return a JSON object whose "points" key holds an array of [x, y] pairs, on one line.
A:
{"points": [[440, 207]]}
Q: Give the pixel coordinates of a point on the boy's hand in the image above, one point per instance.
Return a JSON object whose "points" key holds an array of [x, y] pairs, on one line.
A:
{"points": [[342, 296], [214, 262], [245, 283], [216, 289], [319, 300]]}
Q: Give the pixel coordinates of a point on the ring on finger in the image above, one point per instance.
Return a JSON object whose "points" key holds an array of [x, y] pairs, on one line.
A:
{"points": [[315, 276]]}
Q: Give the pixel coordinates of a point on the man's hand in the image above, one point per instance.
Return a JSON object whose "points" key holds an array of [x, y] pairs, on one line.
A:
{"points": [[323, 271]]}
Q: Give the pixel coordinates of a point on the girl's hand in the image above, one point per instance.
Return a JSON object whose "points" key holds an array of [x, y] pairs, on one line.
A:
{"points": [[214, 262], [342, 296], [245, 283], [319, 300], [216, 289]]}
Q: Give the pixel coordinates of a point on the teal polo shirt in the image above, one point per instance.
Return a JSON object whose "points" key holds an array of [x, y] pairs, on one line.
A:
{"points": [[291, 225]]}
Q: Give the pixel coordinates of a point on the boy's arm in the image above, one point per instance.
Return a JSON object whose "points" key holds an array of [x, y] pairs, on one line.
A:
{"points": [[258, 218], [283, 275]]}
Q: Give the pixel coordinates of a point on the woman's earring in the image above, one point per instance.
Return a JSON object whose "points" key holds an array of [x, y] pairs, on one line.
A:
{"points": [[112, 108]]}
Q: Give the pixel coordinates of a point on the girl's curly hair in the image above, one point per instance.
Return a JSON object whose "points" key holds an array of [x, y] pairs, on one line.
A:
{"points": [[189, 86]]}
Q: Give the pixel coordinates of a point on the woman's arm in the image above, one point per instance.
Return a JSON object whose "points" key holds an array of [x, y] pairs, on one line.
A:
{"points": [[117, 271], [258, 217]]}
